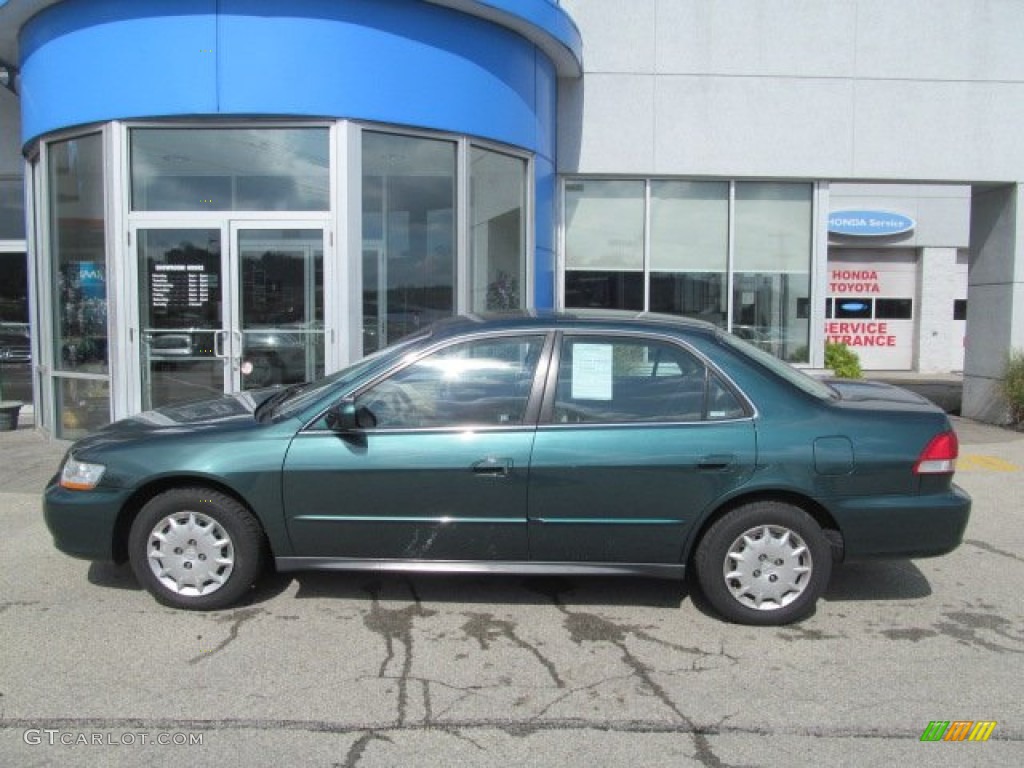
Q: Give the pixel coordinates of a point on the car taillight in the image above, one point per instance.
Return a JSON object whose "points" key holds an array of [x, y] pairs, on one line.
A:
{"points": [[939, 456]]}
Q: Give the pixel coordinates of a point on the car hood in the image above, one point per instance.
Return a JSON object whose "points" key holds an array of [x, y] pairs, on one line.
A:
{"points": [[860, 391], [228, 412]]}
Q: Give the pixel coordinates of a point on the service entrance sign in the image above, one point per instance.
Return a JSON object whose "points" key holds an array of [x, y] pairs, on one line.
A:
{"points": [[871, 306]]}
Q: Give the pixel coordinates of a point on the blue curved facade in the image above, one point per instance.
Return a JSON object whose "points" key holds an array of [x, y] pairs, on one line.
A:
{"points": [[477, 69], [402, 61]]}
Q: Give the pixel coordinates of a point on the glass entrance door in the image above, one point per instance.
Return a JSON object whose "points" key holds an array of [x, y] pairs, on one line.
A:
{"points": [[280, 307], [228, 308], [183, 335]]}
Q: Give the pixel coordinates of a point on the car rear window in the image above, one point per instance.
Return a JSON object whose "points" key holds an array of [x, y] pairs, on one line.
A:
{"points": [[794, 376]]}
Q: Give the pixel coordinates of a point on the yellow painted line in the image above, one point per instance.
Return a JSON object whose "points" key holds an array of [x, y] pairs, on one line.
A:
{"points": [[976, 462]]}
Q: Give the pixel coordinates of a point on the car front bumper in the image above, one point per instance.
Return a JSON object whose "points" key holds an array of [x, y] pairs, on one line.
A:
{"points": [[82, 523], [927, 525]]}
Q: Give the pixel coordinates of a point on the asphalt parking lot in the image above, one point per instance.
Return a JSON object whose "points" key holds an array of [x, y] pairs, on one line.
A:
{"points": [[358, 670]]}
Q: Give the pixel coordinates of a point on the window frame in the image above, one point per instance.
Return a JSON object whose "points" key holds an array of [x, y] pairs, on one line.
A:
{"points": [[711, 371]]}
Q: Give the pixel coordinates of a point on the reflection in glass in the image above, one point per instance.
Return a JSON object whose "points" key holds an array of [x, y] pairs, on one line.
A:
{"points": [[689, 248], [79, 284], [604, 224], [604, 290], [497, 230], [693, 294], [180, 304], [230, 169], [12, 209], [78, 253], [689, 226], [83, 405], [408, 235], [282, 306], [772, 263], [475, 383]]}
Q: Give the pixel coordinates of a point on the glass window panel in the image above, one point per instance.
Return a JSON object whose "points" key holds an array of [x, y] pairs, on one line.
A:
{"points": [[282, 306], [408, 235], [689, 226], [477, 383], [497, 233], [693, 294], [852, 308], [230, 169], [722, 401], [604, 224], [14, 287], [623, 380], [772, 258], [960, 309], [894, 309], [83, 406], [15, 338], [767, 313], [605, 290], [773, 227], [181, 307], [78, 255], [12, 209]]}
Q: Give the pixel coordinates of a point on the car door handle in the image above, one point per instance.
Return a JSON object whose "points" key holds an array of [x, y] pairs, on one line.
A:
{"points": [[715, 463], [492, 467]]}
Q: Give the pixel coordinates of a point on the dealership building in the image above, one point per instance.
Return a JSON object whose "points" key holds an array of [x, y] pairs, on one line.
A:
{"points": [[208, 196]]}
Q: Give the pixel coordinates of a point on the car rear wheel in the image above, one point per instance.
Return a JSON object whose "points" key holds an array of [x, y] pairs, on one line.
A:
{"points": [[765, 563], [195, 548]]}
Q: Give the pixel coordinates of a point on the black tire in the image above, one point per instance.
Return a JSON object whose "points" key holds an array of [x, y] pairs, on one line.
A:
{"points": [[788, 565], [195, 535]]}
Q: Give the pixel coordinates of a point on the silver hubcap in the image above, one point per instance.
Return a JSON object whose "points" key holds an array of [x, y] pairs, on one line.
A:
{"points": [[190, 553], [767, 567]]}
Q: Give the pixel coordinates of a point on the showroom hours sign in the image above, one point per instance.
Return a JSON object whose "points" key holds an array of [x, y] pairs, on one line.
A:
{"points": [[174, 287]]}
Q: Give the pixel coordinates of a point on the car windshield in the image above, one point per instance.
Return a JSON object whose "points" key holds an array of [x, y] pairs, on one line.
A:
{"points": [[794, 376], [302, 395]]}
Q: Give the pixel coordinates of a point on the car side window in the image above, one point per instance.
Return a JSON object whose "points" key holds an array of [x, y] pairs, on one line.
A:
{"points": [[621, 379], [483, 382]]}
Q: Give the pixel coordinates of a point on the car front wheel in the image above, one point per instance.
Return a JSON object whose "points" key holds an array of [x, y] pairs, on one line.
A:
{"points": [[195, 548], [765, 563]]}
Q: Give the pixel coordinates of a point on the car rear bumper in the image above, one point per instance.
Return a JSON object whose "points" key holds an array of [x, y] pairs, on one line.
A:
{"points": [[903, 526], [82, 523]]}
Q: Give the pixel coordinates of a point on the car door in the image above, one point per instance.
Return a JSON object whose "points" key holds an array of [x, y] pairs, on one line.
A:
{"points": [[438, 469], [638, 436]]}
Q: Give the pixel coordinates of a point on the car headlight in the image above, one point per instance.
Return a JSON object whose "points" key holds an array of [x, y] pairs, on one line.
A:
{"points": [[80, 475]]}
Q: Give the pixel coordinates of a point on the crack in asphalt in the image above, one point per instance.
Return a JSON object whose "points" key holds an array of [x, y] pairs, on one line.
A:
{"points": [[989, 548], [355, 752], [237, 619], [588, 627], [485, 629], [395, 625], [17, 604]]}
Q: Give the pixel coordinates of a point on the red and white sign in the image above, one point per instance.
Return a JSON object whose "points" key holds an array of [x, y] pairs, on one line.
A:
{"points": [[880, 343]]}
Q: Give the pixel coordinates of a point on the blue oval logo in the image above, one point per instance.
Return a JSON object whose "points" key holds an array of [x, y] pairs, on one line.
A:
{"points": [[853, 306], [868, 223]]}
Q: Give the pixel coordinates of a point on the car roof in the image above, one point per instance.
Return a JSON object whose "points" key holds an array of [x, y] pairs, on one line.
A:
{"points": [[603, 319]]}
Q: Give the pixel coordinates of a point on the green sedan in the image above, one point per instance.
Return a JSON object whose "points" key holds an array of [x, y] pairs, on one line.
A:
{"points": [[575, 443]]}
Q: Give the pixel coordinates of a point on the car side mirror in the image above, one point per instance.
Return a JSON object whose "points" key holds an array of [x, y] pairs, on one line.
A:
{"points": [[346, 416]]}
